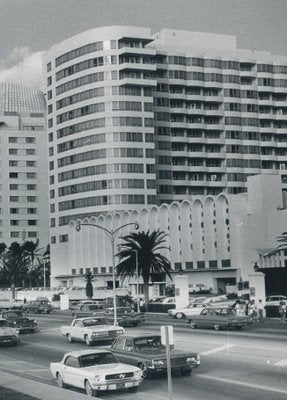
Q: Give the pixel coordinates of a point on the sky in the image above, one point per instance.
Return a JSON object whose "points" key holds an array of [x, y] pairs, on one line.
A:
{"points": [[30, 27]]}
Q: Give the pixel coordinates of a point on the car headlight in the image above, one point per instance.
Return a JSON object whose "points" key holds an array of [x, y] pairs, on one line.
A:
{"points": [[158, 362], [35, 322], [17, 331], [138, 374], [192, 359], [120, 331], [97, 378]]}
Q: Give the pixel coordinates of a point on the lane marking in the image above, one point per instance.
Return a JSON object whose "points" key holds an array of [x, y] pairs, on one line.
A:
{"points": [[281, 363], [217, 349], [34, 370], [247, 385]]}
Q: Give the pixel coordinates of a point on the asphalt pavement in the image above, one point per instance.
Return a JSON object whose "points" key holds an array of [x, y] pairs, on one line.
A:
{"points": [[238, 365]]}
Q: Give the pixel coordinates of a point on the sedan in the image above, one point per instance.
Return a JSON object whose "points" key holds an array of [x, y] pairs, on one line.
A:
{"points": [[17, 319], [217, 318], [192, 309], [95, 370], [125, 316], [147, 353]]}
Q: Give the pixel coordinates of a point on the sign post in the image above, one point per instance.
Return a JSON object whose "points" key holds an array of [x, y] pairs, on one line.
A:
{"points": [[167, 341]]}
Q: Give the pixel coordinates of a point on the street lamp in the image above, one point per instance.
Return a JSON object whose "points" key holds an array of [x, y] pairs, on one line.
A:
{"points": [[111, 235], [45, 258], [137, 277]]}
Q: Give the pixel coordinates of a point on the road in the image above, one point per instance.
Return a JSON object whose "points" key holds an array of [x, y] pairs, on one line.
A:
{"points": [[245, 365]]}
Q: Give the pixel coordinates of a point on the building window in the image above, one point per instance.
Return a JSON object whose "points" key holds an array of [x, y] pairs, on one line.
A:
{"points": [[200, 264], [226, 263], [53, 239], [74, 271], [177, 266], [213, 264], [95, 270], [103, 270], [189, 265], [63, 238], [81, 271], [32, 222]]}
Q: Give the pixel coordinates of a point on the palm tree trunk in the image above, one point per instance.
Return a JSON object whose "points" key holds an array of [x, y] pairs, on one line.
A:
{"points": [[146, 292]]}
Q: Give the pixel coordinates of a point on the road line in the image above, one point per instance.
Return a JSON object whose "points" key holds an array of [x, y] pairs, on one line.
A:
{"points": [[281, 363], [217, 349], [238, 383], [34, 370]]}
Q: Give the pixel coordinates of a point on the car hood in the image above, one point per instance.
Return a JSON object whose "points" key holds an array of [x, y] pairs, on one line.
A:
{"points": [[115, 368], [7, 331], [22, 320]]}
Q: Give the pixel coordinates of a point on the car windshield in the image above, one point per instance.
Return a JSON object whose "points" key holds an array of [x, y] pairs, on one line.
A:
{"points": [[14, 314], [149, 343], [95, 321], [3, 324], [93, 307], [90, 360]]}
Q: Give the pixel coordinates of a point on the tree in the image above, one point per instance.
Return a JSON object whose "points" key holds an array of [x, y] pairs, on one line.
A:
{"points": [[150, 262], [13, 265], [89, 287], [32, 252], [283, 240]]}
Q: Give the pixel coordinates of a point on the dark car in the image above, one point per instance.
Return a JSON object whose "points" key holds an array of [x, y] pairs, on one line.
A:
{"points": [[8, 335], [87, 309], [125, 316], [147, 352], [17, 319], [218, 317], [38, 307]]}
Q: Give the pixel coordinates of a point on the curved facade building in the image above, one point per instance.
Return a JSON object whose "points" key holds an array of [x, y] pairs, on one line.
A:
{"points": [[137, 120]]}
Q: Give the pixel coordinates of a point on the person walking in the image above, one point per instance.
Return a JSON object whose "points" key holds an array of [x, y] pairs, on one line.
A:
{"points": [[260, 311], [282, 311]]}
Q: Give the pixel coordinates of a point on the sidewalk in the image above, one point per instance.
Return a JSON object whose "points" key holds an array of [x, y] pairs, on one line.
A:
{"points": [[18, 388]]}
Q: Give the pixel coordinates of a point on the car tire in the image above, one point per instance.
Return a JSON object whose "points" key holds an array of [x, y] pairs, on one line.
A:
{"points": [[179, 315], [70, 339], [192, 324], [60, 381], [89, 390], [216, 327], [144, 369], [133, 389], [185, 371], [238, 328], [88, 341]]}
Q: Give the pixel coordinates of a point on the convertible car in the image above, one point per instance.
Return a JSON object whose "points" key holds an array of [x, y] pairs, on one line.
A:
{"points": [[95, 370], [147, 353]]}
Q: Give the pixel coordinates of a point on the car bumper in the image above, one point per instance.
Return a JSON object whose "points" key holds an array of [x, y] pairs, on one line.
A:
{"points": [[25, 329], [117, 385], [155, 368], [9, 340]]}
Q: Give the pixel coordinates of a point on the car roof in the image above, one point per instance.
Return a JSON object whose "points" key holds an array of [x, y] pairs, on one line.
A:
{"points": [[80, 353], [138, 335], [93, 317]]}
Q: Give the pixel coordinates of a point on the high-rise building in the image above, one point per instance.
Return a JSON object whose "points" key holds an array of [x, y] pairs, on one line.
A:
{"points": [[138, 119], [24, 173]]}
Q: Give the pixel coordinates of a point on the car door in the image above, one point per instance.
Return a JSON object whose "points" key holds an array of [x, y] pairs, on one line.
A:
{"points": [[76, 330], [118, 348], [128, 355], [71, 372]]}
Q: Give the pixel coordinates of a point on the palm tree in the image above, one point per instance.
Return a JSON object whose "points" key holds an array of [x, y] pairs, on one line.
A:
{"points": [[283, 240], [32, 251], [13, 265], [88, 276], [150, 262]]}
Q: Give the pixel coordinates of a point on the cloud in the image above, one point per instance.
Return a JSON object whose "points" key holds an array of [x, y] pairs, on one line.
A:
{"points": [[23, 67]]}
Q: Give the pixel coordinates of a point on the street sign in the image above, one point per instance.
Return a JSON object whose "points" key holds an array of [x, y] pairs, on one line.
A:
{"points": [[166, 331]]}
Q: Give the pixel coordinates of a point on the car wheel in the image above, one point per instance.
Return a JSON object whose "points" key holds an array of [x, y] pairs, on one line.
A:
{"points": [[185, 371], [179, 315], [238, 328], [88, 341], [144, 369], [89, 390], [192, 324], [133, 389], [216, 327], [70, 339], [60, 381], [48, 312]]}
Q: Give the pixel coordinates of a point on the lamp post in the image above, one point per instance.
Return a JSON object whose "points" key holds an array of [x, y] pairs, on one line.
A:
{"points": [[45, 258], [111, 235], [137, 278]]}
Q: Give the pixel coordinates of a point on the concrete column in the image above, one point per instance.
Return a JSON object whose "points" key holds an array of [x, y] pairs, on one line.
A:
{"points": [[257, 287], [181, 291]]}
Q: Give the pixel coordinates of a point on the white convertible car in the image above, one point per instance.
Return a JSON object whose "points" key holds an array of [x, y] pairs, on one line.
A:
{"points": [[95, 370], [90, 330], [192, 309]]}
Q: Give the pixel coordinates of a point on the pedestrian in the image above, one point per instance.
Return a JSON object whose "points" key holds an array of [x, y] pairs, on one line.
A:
{"points": [[141, 302], [282, 311], [253, 311], [260, 310], [247, 307]]}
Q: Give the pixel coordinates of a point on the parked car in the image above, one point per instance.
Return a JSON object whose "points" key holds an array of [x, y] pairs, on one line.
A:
{"points": [[8, 335], [275, 300], [125, 316], [86, 309], [18, 320], [95, 370], [190, 310], [199, 288], [147, 353], [217, 318], [5, 303], [90, 330], [38, 307]]}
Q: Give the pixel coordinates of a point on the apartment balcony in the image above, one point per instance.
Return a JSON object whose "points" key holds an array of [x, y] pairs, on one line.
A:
{"points": [[189, 168], [265, 115], [217, 127], [195, 97], [137, 82], [214, 99], [179, 96], [189, 154], [269, 89], [269, 143], [137, 66], [137, 51], [281, 158], [215, 140], [218, 113], [267, 129], [216, 170], [280, 117], [186, 139], [269, 157], [212, 85], [217, 183], [265, 102], [280, 130], [216, 155], [248, 74], [281, 145]]}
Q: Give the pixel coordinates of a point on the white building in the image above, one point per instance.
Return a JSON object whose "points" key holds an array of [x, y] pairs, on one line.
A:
{"points": [[136, 120], [24, 172]]}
